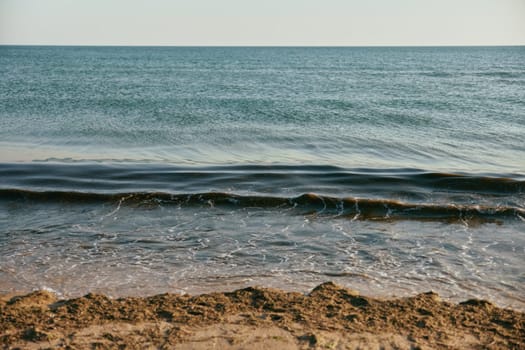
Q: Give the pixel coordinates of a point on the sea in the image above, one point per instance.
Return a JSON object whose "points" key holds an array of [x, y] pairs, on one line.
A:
{"points": [[134, 171]]}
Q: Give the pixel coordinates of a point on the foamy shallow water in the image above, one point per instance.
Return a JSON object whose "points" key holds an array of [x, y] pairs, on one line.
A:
{"points": [[145, 249]]}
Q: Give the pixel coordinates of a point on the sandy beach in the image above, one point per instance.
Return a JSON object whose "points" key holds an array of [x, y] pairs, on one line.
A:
{"points": [[329, 317]]}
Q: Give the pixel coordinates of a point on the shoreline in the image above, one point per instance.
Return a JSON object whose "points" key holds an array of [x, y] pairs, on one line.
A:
{"points": [[328, 317]]}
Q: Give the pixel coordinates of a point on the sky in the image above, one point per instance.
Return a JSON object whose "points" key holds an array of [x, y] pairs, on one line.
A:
{"points": [[263, 22]]}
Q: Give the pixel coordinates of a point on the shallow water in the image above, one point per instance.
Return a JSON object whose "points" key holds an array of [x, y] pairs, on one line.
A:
{"points": [[135, 171]]}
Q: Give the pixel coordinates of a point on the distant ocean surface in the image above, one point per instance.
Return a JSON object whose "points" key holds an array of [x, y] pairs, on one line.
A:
{"points": [[142, 170]]}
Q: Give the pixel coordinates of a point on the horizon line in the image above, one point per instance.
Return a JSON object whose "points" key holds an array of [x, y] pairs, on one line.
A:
{"points": [[266, 46]]}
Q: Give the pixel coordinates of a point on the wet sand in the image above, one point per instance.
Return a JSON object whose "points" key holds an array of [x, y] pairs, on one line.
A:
{"points": [[329, 317]]}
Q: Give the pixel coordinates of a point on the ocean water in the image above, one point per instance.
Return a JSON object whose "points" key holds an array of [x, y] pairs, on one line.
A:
{"points": [[142, 170]]}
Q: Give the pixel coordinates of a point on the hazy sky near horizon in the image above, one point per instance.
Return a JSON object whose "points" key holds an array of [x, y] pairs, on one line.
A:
{"points": [[268, 22]]}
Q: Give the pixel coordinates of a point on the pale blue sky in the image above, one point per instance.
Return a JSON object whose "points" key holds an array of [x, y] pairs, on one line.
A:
{"points": [[263, 22]]}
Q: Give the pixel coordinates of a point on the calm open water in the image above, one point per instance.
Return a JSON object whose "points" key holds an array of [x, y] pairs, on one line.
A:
{"points": [[136, 171]]}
